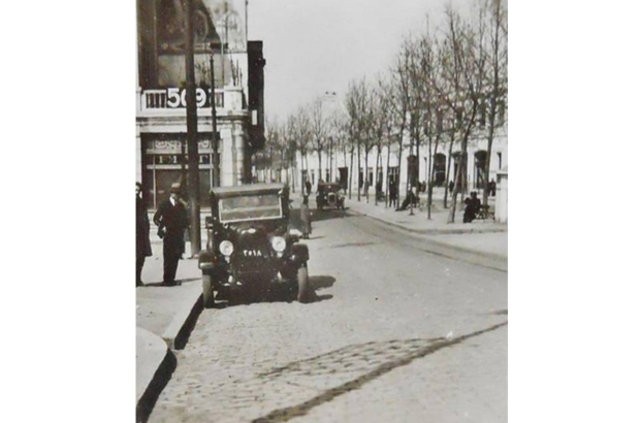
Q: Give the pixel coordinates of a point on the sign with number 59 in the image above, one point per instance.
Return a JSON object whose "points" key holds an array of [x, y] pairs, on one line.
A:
{"points": [[177, 97]]}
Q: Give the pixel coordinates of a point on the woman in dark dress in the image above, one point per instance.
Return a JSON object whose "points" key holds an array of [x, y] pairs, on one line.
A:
{"points": [[143, 244]]}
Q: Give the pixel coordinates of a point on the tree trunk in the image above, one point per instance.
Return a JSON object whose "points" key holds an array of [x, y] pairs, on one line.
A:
{"points": [[365, 172], [359, 177], [428, 178], [386, 190], [456, 182], [376, 178], [446, 186], [344, 151], [399, 168], [350, 174], [485, 192], [319, 164], [417, 141]]}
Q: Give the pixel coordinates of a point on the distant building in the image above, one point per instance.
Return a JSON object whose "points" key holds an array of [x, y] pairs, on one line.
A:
{"points": [[336, 166], [161, 129]]}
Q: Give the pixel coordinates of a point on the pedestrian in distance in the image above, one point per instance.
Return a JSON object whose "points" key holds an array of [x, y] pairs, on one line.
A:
{"points": [[171, 219], [305, 217], [366, 190], [409, 200], [472, 207], [393, 193], [492, 188], [451, 188], [143, 244], [307, 185]]}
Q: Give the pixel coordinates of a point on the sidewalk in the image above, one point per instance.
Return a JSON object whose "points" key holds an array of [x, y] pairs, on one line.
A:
{"points": [[164, 319]]}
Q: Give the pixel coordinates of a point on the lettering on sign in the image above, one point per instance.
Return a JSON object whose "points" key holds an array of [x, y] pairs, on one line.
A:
{"points": [[252, 253], [177, 98]]}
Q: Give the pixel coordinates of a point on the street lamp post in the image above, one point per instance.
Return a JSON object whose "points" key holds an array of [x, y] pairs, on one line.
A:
{"points": [[214, 123], [192, 133]]}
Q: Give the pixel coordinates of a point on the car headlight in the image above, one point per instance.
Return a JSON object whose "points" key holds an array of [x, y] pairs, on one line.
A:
{"points": [[226, 247], [278, 243]]}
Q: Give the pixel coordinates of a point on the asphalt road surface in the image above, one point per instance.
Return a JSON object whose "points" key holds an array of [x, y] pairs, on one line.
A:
{"points": [[396, 334]]}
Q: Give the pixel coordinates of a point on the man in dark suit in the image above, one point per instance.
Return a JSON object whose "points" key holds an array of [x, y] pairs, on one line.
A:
{"points": [[307, 185], [171, 219], [143, 245], [393, 193], [472, 207]]}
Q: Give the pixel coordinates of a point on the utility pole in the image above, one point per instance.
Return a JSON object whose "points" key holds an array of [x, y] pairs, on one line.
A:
{"points": [[214, 123], [192, 132]]}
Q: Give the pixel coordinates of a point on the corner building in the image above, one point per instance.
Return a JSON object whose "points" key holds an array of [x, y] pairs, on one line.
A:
{"points": [[238, 82]]}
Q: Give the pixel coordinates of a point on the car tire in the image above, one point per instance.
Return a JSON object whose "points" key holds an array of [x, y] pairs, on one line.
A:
{"points": [[303, 284], [208, 300]]}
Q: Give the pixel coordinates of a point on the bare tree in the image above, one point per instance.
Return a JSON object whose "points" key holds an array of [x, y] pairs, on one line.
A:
{"points": [[271, 149], [418, 99], [301, 133], [425, 76], [338, 133], [318, 130], [385, 91], [463, 67], [497, 77], [356, 107], [400, 103], [288, 131], [380, 122]]}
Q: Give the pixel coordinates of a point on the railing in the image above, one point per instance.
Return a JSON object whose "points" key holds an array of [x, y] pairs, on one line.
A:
{"points": [[155, 101]]}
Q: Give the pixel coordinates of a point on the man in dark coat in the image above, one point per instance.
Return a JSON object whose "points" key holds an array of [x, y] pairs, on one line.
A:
{"points": [[171, 219], [393, 193], [472, 207], [143, 245], [307, 185], [492, 188], [305, 217]]}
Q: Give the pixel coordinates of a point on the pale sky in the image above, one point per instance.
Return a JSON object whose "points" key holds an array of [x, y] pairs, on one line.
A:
{"points": [[312, 46]]}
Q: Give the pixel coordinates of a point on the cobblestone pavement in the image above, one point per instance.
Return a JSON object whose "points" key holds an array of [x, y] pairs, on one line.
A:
{"points": [[396, 335]]}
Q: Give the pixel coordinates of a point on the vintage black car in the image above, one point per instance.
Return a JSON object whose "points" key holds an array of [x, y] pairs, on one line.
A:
{"points": [[330, 196], [251, 250]]}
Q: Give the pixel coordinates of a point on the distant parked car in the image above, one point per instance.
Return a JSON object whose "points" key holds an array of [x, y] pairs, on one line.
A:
{"points": [[330, 196], [250, 249]]}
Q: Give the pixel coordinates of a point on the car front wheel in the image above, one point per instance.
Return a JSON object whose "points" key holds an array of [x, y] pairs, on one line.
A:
{"points": [[303, 284], [207, 291]]}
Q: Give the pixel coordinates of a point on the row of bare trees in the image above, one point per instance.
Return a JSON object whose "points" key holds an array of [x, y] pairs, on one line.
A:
{"points": [[447, 85]]}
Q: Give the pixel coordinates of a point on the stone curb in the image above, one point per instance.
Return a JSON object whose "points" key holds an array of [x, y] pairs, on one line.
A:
{"points": [[156, 372], [457, 231], [174, 337], [177, 333], [483, 258]]}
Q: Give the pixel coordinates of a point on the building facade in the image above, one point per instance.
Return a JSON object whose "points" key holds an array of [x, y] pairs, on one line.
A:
{"points": [[224, 60], [336, 165]]}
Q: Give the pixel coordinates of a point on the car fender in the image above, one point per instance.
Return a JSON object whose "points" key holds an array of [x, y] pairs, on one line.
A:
{"points": [[206, 260], [299, 253]]}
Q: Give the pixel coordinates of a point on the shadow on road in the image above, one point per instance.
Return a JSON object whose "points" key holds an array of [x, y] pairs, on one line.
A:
{"points": [[317, 216], [318, 282], [351, 367], [279, 294]]}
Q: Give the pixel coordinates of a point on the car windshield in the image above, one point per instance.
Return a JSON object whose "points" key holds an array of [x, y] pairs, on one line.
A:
{"points": [[253, 207]]}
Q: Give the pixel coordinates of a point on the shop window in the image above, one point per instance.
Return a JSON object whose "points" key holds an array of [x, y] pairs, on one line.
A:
{"points": [[167, 159]]}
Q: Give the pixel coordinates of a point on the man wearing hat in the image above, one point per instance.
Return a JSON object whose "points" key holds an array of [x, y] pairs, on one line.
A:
{"points": [[171, 219]]}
